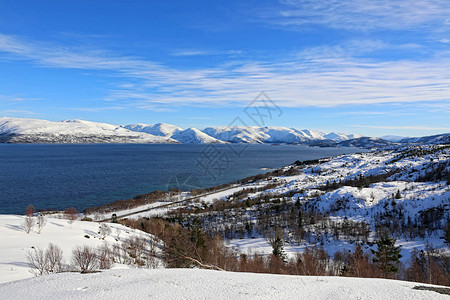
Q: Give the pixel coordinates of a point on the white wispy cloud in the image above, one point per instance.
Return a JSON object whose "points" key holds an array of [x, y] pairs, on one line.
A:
{"points": [[98, 109], [200, 52], [15, 98], [320, 77], [404, 127], [359, 14], [14, 112]]}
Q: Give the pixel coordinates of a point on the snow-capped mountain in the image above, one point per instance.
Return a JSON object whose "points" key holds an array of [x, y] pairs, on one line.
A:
{"points": [[432, 139], [339, 137], [393, 138], [253, 134], [159, 129], [21, 130], [194, 136], [18, 130], [366, 142]]}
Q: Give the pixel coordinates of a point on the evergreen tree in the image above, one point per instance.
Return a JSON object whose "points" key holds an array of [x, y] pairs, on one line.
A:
{"points": [[387, 255], [300, 219], [277, 248], [447, 234]]}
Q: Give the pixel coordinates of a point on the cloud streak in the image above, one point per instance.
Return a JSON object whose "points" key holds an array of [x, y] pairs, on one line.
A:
{"points": [[359, 14], [317, 77], [405, 127]]}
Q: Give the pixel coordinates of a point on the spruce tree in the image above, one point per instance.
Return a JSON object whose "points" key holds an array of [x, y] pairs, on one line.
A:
{"points": [[447, 234], [387, 255], [277, 248]]}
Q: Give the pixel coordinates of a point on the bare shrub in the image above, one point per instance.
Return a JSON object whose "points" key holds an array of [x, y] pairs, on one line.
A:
{"points": [[84, 258], [71, 214], [30, 210], [41, 222], [45, 262], [135, 247], [54, 257], [119, 254], [104, 256], [104, 230], [37, 261], [28, 223]]}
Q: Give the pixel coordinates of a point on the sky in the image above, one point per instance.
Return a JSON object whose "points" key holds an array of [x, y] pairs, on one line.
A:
{"points": [[372, 67]]}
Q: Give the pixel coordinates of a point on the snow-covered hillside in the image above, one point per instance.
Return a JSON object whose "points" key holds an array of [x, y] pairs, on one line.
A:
{"points": [[404, 191], [16, 242], [194, 136], [159, 129], [17, 130], [432, 139], [366, 142], [206, 284], [253, 134]]}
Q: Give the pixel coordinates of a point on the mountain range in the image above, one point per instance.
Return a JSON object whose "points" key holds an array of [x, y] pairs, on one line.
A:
{"points": [[22, 130]]}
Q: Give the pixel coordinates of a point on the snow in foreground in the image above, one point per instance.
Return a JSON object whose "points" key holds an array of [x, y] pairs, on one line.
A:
{"points": [[206, 284], [16, 243]]}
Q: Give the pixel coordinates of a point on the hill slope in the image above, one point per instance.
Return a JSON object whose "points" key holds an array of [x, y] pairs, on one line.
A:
{"points": [[17, 130], [204, 284]]}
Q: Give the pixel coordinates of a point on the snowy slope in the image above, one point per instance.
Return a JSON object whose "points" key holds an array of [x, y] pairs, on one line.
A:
{"points": [[392, 138], [339, 137], [366, 142], [194, 136], [159, 129], [247, 134], [253, 134], [206, 284], [432, 139], [70, 131], [16, 242]]}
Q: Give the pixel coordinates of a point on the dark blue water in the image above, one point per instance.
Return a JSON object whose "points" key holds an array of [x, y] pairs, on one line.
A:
{"points": [[57, 176]]}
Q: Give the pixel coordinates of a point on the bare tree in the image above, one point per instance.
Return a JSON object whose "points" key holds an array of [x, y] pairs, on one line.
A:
{"points": [[30, 210], [71, 215], [41, 221], [28, 224], [104, 257], [37, 261], [118, 232], [104, 230], [54, 257], [29, 221], [84, 258]]}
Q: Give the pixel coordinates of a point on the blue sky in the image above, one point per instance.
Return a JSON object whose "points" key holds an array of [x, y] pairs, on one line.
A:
{"points": [[373, 67]]}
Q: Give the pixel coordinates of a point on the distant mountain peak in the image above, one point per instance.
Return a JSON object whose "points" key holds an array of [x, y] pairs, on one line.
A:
{"points": [[22, 130]]}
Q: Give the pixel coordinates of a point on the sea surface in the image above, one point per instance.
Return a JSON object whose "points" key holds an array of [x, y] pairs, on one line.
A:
{"points": [[57, 176]]}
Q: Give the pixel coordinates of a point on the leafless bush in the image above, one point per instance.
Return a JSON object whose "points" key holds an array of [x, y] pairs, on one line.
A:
{"points": [[84, 258], [37, 261], [104, 256], [41, 221], [30, 210], [119, 254], [135, 247], [71, 215], [45, 262], [104, 230], [54, 257], [28, 223]]}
